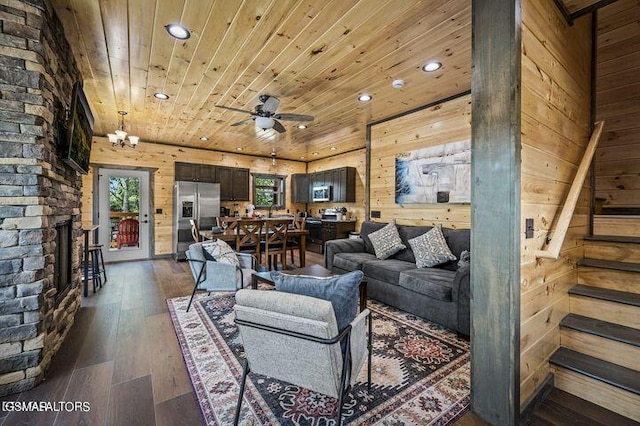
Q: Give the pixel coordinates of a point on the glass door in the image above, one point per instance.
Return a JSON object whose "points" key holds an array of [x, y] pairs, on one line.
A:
{"points": [[124, 214]]}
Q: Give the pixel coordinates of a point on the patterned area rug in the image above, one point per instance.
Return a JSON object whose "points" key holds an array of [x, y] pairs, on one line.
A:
{"points": [[420, 372]]}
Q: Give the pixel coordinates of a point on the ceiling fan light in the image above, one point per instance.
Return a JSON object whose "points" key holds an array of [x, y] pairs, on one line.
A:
{"points": [[112, 138], [264, 122], [431, 66], [133, 140], [177, 31], [121, 134]]}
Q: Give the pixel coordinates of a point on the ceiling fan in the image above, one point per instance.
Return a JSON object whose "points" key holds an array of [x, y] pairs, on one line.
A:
{"points": [[265, 115]]}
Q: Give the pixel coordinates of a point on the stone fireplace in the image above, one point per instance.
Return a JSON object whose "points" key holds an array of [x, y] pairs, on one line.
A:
{"points": [[40, 196]]}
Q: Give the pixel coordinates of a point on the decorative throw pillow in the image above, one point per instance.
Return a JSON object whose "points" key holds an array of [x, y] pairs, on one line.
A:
{"points": [[431, 249], [386, 241], [341, 290], [220, 251], [465, 258]]}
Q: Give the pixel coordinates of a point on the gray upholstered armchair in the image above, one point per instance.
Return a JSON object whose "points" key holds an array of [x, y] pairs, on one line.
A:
{"points": [[216, 276], [279, 330]]}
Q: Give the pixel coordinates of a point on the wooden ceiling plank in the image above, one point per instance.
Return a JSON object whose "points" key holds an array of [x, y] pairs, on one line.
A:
{"points": [[576, 5], [196, 78], [162, 45], [141, 15], [116, 29], [358, 52], [289, 57], [242, 27], [260, 37], [617, 14], [67, 16], [399, 62], [195, 17], [295, 23], [89, 25]]}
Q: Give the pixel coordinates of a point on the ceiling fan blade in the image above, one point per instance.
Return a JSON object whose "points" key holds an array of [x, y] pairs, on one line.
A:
{"points": [[278, 127], [271, 104], [293, 117], [248, 120], [236, 109]]}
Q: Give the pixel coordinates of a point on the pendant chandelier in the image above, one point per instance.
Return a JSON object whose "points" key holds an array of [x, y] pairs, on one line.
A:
{"points": [[120, 137]]}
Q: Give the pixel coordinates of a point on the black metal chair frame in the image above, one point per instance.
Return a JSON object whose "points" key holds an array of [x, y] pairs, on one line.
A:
{"points": [[200, 279], [345, 379]]}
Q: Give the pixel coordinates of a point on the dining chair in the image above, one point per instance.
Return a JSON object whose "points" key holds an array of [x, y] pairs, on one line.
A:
{"points": [[276, 242], [248, 237], [195, 232], [293, 243], [231, 222]]}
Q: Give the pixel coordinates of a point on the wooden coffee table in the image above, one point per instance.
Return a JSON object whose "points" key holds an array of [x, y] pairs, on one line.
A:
{"points": [[312, 271]]}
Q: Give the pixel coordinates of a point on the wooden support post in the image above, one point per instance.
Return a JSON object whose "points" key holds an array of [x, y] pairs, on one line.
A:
{"points": [[495, 216]]}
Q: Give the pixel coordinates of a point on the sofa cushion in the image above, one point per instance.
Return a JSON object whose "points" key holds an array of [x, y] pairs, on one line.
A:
{"points": [[387, 270], [407, 233], [458, 241], [433, 282], [352, 261], [431, 249], [366, 229]]}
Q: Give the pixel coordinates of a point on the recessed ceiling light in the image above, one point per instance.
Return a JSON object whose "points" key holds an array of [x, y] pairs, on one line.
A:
{"points": [[178, 31], [333, 148], [238, 148], [365, 97], [302, 157], [301, 126], [314, 153], [161, 95], [204, 138], [431, 66]]}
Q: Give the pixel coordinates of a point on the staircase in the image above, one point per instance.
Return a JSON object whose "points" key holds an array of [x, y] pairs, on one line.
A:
{"points": [[599, 357]]}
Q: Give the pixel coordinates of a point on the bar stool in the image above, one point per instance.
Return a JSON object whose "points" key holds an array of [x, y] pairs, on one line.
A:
{"points": [[99, 259]]}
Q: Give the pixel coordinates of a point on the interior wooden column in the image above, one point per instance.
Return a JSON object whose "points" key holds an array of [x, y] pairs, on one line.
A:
{"points": [[495, 216]]}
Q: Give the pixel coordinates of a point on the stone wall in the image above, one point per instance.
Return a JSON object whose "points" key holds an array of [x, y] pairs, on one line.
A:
{"points": [[37, 190]]}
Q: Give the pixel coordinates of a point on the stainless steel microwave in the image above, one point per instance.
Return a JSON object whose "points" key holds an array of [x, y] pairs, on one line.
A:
{"points": [[321, 193]]}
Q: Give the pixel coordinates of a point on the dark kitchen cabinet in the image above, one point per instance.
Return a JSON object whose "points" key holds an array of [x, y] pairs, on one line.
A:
{"points": [[195, 172], [342, 182], [332, 230], [234, 183], [300, 188]]}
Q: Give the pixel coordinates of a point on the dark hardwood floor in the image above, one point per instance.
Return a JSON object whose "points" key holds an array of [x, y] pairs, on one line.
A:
{"points": [[122, 357]]}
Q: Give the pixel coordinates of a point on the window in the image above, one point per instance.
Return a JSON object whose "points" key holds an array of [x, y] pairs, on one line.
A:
{"points": [[268, 191]]}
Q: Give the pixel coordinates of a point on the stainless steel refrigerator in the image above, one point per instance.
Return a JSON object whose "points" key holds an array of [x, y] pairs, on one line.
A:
{"points": [[193, 200]]}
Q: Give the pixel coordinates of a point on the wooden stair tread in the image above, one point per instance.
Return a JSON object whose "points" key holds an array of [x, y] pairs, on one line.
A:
{"points": [[608, 330], [607, 372], [623, 297], [610, 264], [612, 238], [595, 413]]}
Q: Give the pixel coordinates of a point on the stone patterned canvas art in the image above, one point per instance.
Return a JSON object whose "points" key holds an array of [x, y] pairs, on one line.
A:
{"points": [[438, 174]]}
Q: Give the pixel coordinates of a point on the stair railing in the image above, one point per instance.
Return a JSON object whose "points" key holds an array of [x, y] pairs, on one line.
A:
{"points": [[554, 243]]}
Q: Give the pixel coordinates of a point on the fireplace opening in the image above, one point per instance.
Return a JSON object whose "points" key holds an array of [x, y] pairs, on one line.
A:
{"points": [[63, 260]]}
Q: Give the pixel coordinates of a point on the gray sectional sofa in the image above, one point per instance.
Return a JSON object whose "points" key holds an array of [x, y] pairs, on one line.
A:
{"points": [[439, 294]]}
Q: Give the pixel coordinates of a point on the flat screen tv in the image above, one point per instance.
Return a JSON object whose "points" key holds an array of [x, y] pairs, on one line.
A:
{"points": [[79, 132]]}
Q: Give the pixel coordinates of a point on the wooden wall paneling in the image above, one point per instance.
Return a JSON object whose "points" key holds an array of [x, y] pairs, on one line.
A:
{"points": [[355, 159], [446, 122], [555, 131], [163, 158], [495, 273], [618, 102]]}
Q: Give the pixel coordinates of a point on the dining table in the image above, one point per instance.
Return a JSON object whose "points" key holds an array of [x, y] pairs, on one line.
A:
{"points": [[229, 235]]}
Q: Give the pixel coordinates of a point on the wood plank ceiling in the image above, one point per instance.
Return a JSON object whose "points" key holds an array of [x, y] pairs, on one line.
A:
{"points": [[317, 56]]}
